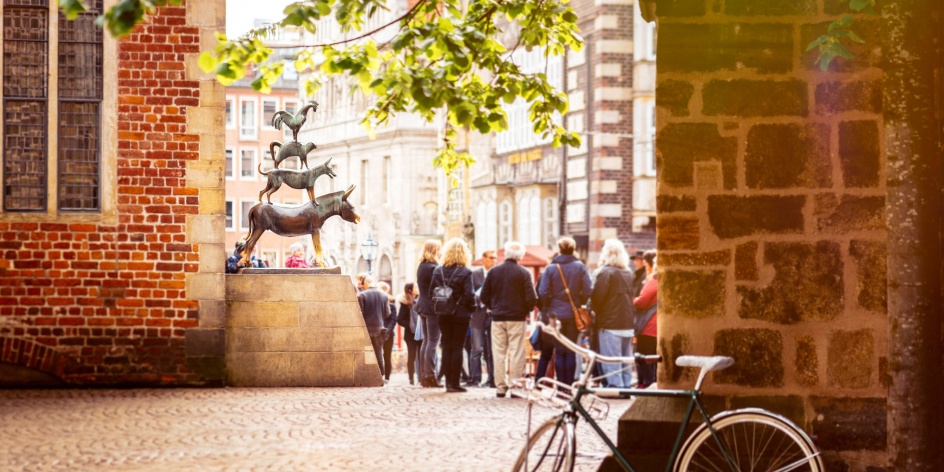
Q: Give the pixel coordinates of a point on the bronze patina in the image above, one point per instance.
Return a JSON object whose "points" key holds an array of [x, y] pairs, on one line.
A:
{"points": [[294, 122], [291, 221], [297, 179]]}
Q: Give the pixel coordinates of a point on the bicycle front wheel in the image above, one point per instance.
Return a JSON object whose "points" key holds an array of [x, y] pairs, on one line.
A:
{"points": [[755, 440], [552, 447]]}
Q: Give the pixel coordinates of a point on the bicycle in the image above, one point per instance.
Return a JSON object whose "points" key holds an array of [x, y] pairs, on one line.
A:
{"points": [[748, 439]]}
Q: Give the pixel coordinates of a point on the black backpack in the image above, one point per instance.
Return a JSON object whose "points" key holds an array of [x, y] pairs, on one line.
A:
{"points": [[444, 303]]}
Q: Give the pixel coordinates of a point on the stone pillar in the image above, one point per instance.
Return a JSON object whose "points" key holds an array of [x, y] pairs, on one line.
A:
{"points": [[771, 216]]}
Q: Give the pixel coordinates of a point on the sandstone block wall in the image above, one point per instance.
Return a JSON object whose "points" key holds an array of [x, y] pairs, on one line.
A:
{"points": [[771, 214], [132, 296]]}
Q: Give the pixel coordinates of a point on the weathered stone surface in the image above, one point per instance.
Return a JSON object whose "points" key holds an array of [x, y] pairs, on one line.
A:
{"points": [[859, 153], [758, 355], [683, 144], [745, 261], [755, 98], [692, 294], [292, 369], [732, 216], [769, 7], [787, 156], [674, 95], [837, 97], [205, 342], [282, 340], [790, 406], [680, 345], [850, 213], [288, 288], [337, 314], [212, 313], [670, 204], [687, 47], [866, 54], [713, 258], [212, 368], [681, 8], [850, 424], [871, 277], [883, 378], [261, 314], [677, 232], [806, 362], [849, 359], [807, 284]]}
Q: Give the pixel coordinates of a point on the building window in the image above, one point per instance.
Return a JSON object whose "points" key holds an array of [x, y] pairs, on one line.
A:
{"points": [[247, 163], [388, 179], [491, 230], [481, 228], [269, 107], [364, 180], [248, 127], [245, 206], [229, 215], [524, 221], [229, 164], [504, 222], [550, 221], [645, 139], [28, 74], [230, 114]]}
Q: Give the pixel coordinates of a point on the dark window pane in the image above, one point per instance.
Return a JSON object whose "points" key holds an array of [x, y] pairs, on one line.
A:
{"points": [[25, 46], [79, 151], [24, 155]]}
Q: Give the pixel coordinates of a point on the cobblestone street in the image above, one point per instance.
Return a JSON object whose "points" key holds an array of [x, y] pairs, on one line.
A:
{"points": [[397, 427]]}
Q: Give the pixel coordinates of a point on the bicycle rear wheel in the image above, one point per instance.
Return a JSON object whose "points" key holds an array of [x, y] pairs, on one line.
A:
{"points": [[756, 440], [552, 447]]}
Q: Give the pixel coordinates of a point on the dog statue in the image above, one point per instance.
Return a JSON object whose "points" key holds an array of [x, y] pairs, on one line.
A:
{"points": [[297, 179], [289, 149]]}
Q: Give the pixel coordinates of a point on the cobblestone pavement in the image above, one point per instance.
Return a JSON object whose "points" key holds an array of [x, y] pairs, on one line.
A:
{"points": [[399, 427]]}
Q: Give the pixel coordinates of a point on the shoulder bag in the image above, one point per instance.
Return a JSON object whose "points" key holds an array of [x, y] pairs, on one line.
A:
{"points": [[581, 315]]}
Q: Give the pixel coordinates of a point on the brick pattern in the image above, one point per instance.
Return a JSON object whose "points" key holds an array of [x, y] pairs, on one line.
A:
{"points": [[111, 298], [764, 157]]}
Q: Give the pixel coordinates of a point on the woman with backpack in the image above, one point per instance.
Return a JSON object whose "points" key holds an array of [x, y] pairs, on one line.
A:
{"points": [[453, 298], [429, 325], [407, 319]]}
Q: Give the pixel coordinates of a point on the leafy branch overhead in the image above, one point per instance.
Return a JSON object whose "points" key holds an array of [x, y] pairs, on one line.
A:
{"points": [[440, 58], [831, 45]]}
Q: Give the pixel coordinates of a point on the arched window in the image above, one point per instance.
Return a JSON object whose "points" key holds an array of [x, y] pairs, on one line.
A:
{"points": [[550, 222], [504, 222]]}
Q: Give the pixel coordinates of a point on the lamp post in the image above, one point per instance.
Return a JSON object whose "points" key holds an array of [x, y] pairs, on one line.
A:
{"points": [[369, 251]]}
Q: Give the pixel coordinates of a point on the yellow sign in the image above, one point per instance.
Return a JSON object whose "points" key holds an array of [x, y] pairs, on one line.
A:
{"points": [[519, 157]]}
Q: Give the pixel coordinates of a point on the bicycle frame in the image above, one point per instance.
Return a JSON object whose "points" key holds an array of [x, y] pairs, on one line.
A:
{"points": [[580, 390]]}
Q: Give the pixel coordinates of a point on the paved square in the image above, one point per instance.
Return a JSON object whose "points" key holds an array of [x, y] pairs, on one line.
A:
{"points": [[397, 427]]}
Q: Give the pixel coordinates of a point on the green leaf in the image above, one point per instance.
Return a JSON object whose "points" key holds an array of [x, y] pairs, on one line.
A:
{"points": [[72, 8], [207, 62]]}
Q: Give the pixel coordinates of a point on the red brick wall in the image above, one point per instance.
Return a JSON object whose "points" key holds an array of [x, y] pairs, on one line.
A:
{"points": [[106, 303]]}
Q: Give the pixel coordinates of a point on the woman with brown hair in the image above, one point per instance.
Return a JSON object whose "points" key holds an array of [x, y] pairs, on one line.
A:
{"points": [[455, 312], [406, 319], [424, 308]]}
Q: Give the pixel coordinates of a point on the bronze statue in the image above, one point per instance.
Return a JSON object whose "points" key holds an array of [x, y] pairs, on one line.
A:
{"points": [[297, 221], [294, 122], [297, 179], [291, 149]]}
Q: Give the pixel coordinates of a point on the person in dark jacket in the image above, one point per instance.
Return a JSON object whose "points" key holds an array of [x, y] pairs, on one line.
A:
{"points": [[390, 324], [405, 319], [552, 289], [424, 308], [454, 273], [639, 272], [375, 308], [232, 262], [545, 340], [480, 326], [509, 295], [612, 301]]}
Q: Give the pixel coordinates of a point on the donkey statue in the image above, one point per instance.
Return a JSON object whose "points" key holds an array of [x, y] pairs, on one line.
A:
{"points": [[297, 221]]}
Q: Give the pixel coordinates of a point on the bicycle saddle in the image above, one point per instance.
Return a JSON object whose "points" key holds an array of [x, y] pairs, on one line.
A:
{"points": [[705, 362]]}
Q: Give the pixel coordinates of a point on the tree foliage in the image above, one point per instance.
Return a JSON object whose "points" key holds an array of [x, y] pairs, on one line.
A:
{"points": [[441, 58], [833, 44]]}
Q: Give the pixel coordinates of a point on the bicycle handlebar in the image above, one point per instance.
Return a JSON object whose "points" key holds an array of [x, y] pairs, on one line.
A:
{"points": [[551, 329]]}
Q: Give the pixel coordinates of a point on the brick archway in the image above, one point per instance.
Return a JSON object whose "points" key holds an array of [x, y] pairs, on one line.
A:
{"points": [[25, 353]]}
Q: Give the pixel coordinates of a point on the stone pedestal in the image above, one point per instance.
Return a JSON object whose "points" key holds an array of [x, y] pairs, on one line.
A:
{"points": [[296, 330]]}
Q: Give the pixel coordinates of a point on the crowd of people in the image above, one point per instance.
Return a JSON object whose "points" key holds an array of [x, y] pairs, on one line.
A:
{"points": [[454, 312]]}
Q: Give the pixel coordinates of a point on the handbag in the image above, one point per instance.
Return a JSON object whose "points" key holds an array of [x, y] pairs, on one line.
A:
{"points": [[535, 339], [581, 315]]}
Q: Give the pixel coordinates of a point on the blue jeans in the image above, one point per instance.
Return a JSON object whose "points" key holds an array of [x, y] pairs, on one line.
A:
{"points": [[431, 337], [565, 360], [616, 346]]}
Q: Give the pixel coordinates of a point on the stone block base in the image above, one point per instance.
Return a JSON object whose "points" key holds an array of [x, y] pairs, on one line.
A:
{"points": [[296, 330]]}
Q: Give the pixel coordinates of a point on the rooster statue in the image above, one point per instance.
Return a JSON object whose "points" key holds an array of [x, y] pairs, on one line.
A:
{"points": [[294, 122]]}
